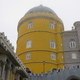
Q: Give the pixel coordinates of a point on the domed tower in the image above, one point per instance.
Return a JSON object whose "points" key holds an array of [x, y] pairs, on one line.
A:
{"points": [[39, 44]]}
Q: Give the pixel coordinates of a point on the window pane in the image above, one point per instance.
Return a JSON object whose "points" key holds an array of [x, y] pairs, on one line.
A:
{"points": [[52, 44], [28, 56], [53, 56], [29, 25], [74, 56], [51, 25], [29, 42]]}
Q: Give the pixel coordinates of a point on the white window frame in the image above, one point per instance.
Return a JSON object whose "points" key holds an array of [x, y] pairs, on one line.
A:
{"points": [[29, 25], [29, 43], [72, 44], [52, 26], [62, 57], [74, 56], [28, 56], [53, 56], [52, 44]]}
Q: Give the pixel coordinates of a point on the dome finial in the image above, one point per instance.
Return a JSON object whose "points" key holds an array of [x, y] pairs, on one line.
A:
{"points": [[41, 5]]}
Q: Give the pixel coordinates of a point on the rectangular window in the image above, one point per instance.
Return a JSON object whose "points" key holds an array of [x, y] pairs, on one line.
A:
{"points": [[62, 57], [29, 43], [29, 25], [74, 56], [52, 44], [52, 25], [28, 56], [53, 56]]}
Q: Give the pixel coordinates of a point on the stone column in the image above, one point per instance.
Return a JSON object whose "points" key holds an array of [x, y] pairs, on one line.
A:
{"points": [[3, 71], [14, 76], [0, 70], [25, 78], [17, 76], [8, 72], [14, 73]]}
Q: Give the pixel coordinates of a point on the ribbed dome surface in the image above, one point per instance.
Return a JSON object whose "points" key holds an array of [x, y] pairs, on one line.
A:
{"points": [[41, 8]]}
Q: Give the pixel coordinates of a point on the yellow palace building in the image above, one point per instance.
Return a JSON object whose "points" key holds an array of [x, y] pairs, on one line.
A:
{"points": [[39, 44]]}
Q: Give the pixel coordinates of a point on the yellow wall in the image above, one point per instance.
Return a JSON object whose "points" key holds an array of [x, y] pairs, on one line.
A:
{"points": [[40, 34], [11, 75]]}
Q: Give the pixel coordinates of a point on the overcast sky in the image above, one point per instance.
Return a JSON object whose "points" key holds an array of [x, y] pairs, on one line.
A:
{"points": [[11, 12]]}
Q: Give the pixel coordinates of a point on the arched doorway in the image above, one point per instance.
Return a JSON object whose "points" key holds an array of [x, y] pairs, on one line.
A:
{"points": [[73, 78]]}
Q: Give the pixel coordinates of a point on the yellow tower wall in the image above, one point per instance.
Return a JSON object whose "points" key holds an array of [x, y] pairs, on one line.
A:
{"points": [[40, 34]]}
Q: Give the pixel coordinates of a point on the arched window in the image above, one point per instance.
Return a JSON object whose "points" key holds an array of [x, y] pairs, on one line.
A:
{"points": [[72, 44]]}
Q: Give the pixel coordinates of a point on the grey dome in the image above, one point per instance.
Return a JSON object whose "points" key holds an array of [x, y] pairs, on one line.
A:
{"points": [[41, 8]]}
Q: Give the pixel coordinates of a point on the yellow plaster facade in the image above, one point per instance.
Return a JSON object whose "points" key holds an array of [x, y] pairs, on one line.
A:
{"points": [[40, 35]]}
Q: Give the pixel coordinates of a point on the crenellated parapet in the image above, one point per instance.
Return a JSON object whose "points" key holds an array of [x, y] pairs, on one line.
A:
{"points": [[5, 42], [65, 74]]}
